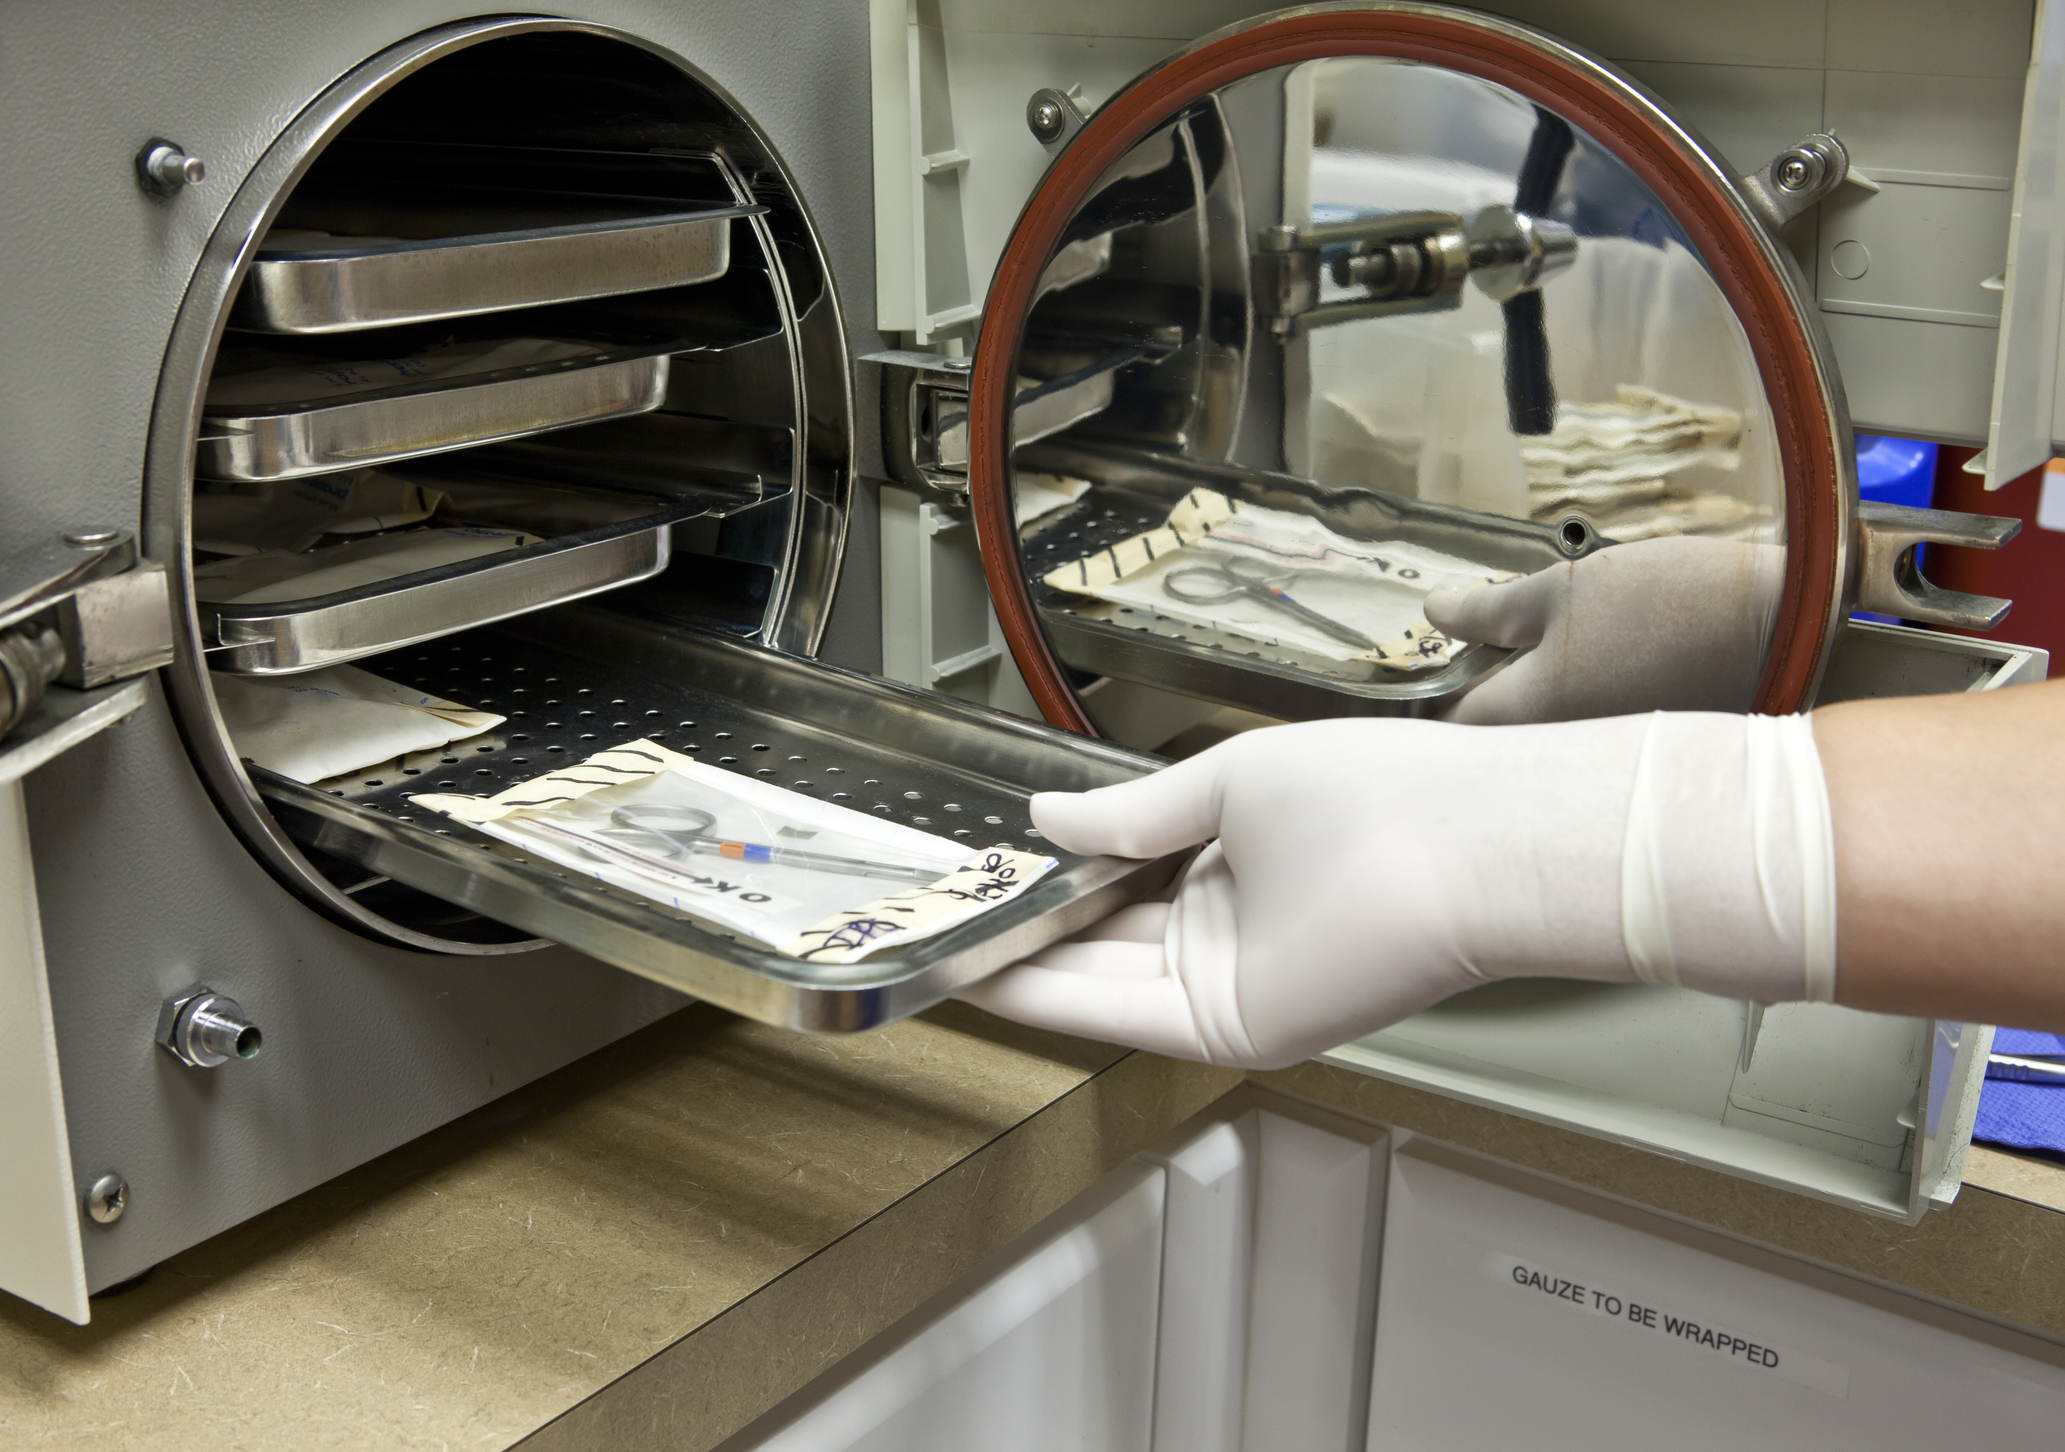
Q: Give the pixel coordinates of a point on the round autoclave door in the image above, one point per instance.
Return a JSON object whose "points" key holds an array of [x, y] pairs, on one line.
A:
{"points": [[517, 314], [1355, 304]]}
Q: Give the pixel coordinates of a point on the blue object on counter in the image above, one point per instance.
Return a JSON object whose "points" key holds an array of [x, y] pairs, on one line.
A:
{"points": [[2017, 1115], [1895, 471]]}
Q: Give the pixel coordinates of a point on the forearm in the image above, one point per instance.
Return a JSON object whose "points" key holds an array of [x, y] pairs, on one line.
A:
{"points": [[1949, 817]]}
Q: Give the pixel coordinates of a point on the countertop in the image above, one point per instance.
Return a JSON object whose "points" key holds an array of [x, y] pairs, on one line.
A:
{"points": [[654, 1246]]}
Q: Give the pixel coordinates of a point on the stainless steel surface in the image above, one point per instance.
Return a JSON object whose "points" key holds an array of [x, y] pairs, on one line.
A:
{"points": [[164, 167], [386, 424], [1053, 117], [1139, 487], [792, 392], [1797, 178], [921, 436], [936, 763], [284, 637], [204, 1029], [1596, 388], [1889, 582], [36, 572], [335, 286], [1512, 253], [116, 627], [63, 719], [2026, 1068], [30, 658], [106, 1198]]}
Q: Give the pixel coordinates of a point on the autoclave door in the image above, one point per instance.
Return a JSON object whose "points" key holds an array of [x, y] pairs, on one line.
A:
{"points": [[1348, 303]]}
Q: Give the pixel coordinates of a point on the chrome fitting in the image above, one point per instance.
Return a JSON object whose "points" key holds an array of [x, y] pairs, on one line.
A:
{"points": [[163, 167], [201, 1027]]}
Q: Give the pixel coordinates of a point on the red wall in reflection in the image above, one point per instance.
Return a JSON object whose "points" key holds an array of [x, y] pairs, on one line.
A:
{"points": [[2029, 569]]}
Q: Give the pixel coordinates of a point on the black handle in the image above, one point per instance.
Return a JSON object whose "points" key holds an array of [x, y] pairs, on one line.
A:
{"points": [[1530, 388]]}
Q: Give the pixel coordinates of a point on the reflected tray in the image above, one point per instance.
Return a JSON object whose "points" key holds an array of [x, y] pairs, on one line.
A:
{"points": [[1135, 491]]}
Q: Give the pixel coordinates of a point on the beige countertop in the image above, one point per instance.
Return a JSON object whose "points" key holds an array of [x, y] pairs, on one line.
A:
{"points": [[652, 1247]]}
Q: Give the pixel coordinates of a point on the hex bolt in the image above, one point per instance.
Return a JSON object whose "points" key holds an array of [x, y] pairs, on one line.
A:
{"points": [[106, 1198]]}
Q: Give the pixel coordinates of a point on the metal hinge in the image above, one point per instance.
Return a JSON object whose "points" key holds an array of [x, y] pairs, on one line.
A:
{"points": [[1402, 262], [1889, 582], [80, 614], [1799, 176]]}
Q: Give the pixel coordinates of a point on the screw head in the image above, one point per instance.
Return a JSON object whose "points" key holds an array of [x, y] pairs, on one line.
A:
{"points": [[1796, 173], [91, 539], [107, 1198], [1044, 118]]}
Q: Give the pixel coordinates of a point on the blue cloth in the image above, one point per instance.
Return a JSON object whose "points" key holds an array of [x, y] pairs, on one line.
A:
{"points": [[2023, 1116], [1896, 471]]}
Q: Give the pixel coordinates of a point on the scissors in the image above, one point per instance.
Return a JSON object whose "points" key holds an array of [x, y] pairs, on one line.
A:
{"points": [[1235, 577], [687, 831]]}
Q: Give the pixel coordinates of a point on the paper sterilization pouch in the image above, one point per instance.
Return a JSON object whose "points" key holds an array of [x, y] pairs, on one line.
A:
{"points": [[809, 878]]}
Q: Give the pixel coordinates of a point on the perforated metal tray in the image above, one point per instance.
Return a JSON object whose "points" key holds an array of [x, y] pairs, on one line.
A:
{"points": [[576, 681], [336, 286], [1135, 492]]}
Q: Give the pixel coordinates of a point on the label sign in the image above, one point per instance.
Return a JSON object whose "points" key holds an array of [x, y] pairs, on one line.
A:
{"points": [[1642, 1313]]}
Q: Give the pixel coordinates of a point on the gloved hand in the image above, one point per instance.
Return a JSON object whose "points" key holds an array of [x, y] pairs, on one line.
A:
{"points": [[1363, 870], [1670, 624]]}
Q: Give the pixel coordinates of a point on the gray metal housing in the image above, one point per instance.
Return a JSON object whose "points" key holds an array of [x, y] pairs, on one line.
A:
{"points": [[143, 887]]}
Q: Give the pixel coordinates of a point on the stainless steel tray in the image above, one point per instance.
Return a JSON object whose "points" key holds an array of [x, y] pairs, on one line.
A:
{"points": [[382, 425], [911, 755], [600, 543], [335, 287], [1135, 491]]}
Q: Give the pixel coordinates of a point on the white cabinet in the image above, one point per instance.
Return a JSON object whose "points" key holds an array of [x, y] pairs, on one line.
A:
{"points": [[1277, 1278], [1215, 1295], [1516, 1314]]}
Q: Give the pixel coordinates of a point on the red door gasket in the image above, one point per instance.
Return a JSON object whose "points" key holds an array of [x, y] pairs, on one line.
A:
{"points": [[1806, 403]]}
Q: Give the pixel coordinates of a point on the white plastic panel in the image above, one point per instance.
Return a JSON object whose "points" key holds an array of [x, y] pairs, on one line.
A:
{"points": [[1518, 1313], [1928, 97], [2026, 417], [40, 1256], [1052, 1346]]}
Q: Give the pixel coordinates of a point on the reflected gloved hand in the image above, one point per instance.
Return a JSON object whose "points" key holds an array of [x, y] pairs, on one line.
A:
{"points": [[1673, 624], [1363, 870]]}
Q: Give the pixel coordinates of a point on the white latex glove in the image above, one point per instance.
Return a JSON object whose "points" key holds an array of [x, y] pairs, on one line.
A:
{"points": [[1364, 870], [1671, 624]]}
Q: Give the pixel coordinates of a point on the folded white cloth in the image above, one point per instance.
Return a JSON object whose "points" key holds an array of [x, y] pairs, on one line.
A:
{"points": [[328, 722]]}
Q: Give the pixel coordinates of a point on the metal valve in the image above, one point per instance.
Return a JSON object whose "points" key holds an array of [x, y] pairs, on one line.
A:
{"points": [[201, 1027], [164, 167]]}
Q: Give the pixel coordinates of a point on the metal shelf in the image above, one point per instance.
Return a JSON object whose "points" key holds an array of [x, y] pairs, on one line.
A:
{"points": [[338, 285], [378, 426], [576, 682], [598, 542]]}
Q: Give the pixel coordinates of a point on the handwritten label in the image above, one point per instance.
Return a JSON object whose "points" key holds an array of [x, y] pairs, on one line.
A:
{"points": [[1642, 1313], [988, 877]]}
